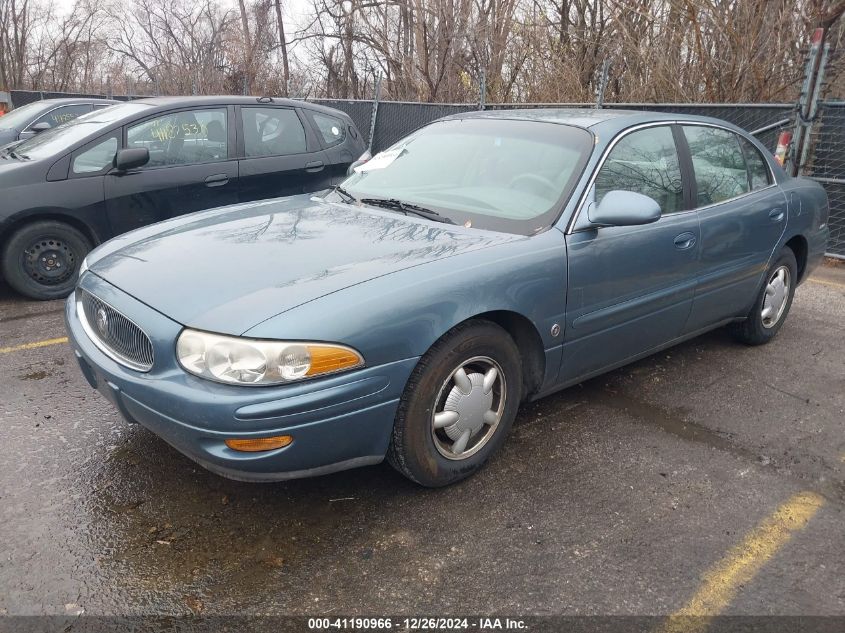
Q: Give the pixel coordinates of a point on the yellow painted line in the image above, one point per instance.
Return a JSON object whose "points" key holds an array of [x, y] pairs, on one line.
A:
{"points": [[721, 583], [826, 283], [35, 345]]}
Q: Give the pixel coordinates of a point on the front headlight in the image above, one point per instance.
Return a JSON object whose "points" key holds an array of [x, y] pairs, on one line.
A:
{"points": [[244, 361]]}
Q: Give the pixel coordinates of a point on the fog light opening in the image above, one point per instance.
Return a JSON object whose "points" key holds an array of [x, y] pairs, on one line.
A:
{"points": [[258, 444]]}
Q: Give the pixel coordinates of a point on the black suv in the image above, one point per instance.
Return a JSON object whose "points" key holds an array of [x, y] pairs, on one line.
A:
{"points": [[113, 170]]}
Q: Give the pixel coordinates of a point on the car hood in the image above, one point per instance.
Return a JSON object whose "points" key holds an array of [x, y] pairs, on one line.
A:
{"points": [[229, 269]]}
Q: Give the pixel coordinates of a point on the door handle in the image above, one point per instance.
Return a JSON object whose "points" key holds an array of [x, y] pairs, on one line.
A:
{"points": [[217, 180], [314, 166], [685, 241], [776, 214]]}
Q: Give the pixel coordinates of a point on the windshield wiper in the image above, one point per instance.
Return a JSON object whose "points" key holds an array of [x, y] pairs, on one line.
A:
{"points": [[407, 208], [343, 193], [14, 154]]}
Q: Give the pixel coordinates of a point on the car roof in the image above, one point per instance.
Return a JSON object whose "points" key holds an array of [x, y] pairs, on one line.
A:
{"points": [[611, 119], [71, 100], [218, 100]]}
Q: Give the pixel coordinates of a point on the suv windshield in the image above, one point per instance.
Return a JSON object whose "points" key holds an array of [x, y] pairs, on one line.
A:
{"points": [[496, 174], [49, 143]]}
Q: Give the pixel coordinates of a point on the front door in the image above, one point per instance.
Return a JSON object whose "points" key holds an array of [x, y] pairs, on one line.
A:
{"points": [[279, 158], [189, 169], [742, 215], [631, 288]]}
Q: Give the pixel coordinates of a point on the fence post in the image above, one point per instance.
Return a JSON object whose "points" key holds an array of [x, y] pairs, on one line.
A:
{"points": [[805, 98], [482, 89], [602, 84], [373, 116], [813, 110]]}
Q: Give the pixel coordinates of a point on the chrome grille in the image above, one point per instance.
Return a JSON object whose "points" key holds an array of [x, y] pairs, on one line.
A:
{"points": [[113, 333]]}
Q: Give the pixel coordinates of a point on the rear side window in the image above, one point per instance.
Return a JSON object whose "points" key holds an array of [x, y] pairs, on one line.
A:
{"points": [[272, 132], [332, 129], [758, 169], [182, 138], [645, 161], [718, 162], [62, 115]]}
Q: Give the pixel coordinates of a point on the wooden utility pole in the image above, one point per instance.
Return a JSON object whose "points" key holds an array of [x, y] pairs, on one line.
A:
{"points": [[284, 46]]}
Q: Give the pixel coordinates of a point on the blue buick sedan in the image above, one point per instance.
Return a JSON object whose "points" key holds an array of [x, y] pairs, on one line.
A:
{"points": [[483, 261]]}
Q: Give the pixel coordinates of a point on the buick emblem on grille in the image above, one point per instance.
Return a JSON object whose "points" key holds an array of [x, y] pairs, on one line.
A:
{"points": [[102, 321]]}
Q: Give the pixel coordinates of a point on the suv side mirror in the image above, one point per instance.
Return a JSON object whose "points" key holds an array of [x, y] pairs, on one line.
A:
{"points": [[130, 158], [624, 208], [40, 127]]}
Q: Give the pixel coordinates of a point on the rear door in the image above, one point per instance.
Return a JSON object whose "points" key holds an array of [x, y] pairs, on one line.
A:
{"points": [[191, 168], [340, 140], [631, 288], [279, 157], [742, 214]]}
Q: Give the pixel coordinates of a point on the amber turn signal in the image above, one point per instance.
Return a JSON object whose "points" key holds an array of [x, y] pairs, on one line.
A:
{"points": [[326, 359], [257, 444]]}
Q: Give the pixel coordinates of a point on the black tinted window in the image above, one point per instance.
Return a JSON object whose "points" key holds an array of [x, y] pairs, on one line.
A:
{"points": [[332, 129], [645, 161], [62, 115], [182, 138], [720, 172], [272, 132], [758, 170]]}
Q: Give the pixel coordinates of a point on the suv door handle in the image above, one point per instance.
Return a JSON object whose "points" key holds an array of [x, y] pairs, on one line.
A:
{"points": [[314, 166], [685, 241], [217, 180], [776, 214]]}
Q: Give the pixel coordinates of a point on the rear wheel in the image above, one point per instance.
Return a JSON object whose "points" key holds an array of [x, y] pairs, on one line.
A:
{"points": [[458, 406], [41, 260], [772, 304]]}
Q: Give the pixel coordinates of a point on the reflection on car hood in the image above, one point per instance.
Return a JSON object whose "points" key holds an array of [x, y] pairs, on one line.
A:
{"points": [[229, 269]]}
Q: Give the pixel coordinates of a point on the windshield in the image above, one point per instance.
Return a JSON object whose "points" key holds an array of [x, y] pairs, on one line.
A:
{"points": [[497, 174], [50, 142], [19, 117]]}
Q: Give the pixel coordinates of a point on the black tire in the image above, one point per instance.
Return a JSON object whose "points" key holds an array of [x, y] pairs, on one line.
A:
{"points": [[755, 330], [413, 450], [41, 260]]}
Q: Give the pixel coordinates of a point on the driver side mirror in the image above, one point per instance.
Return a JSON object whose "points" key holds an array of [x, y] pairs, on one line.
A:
{"points": [[40, 127], [624, 208], [131, 158]]}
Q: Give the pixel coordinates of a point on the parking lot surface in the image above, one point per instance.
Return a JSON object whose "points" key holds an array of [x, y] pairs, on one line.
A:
{"points": [[707, 478]]}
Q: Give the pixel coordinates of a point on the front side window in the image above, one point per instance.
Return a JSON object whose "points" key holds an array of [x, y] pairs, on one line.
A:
{"points": [[720, 170], [332, 129], [96, 158], [56, 117], [501, 175], [272, 132], [758, 170], [645, 161], [182, 138]]}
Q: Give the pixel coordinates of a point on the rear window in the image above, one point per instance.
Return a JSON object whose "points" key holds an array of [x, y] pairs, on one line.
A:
{"points": [[332, 130]]}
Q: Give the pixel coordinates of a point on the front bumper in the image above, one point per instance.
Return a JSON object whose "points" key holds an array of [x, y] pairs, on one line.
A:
{"points": [[337, 422]]}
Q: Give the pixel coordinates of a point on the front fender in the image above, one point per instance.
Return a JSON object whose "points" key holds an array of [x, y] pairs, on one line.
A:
{"points": [[401, 315]]}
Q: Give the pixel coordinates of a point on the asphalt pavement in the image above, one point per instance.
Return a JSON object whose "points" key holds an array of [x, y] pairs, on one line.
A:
{"points": [[707, 478]]}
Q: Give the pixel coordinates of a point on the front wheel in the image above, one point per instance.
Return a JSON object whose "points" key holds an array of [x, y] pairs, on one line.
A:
{"points": [[41, 260], [772, 304], [458, 405]]}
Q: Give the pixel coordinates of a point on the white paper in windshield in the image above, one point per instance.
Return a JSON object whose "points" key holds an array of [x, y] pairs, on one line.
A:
{"points": [[380, 160]]}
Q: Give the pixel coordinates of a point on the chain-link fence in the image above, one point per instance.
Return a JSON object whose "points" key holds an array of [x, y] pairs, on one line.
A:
{"points": [[827, 165]]}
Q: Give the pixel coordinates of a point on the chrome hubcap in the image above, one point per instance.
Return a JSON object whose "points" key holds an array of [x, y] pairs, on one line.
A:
{"points": [[469, 407], [775, 299]]}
